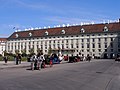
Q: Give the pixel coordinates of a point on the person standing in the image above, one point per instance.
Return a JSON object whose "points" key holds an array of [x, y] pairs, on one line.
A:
{"points": [[5, 58], [51, 60], [19, 56], [17, 59], [88, 57], [32, 59], [43, 60], [40, 59]]}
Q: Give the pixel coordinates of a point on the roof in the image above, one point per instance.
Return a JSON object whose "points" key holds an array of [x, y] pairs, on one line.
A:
{"points": [[71, 30], [3, 39]]}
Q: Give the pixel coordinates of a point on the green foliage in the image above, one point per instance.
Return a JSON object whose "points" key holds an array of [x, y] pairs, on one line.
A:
{"points": [[49, 51], [31, 51], [10, 58], [24, 59], [5, 53], [1, 58], [23, 52], [17, 51], [39, 50]]}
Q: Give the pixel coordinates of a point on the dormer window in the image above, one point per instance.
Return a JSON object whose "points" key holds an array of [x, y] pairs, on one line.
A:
{"points": [[30, 34], [82, 30], [105, 29], [63, 32], [16, 35], [46, 33]]}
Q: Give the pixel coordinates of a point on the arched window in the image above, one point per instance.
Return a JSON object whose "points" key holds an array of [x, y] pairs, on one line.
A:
{"points": [[82, 30], [105, 29], [16, 35], [30, 34], [63, 32], [46, 32]]}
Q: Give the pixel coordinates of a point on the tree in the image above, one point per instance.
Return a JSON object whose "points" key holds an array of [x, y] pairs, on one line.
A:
{"points": [[5, 53], [31, 51], [49, 51], [23, 51], [16, 51], [39, 50]]}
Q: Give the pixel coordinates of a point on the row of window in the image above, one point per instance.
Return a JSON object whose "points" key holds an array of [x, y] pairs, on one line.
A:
{"points": [[67, 41], [83, 45]]}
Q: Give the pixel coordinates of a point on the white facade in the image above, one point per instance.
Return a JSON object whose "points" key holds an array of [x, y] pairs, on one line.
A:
{"points": [[94, 44], [2, 46], [100, 40]]}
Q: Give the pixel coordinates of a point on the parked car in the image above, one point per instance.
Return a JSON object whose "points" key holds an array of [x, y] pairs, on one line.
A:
{"points": [[117, 59]]}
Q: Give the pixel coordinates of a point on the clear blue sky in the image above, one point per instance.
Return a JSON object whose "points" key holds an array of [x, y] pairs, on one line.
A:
{"points": [[42, 13]]}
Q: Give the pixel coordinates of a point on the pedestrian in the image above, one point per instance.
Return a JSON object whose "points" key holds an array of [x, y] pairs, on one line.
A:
{"points": [[51, 60], [32, 59], [40, 59], [5, 58], [88, 57], [84, 59], [60, 57], [17, 59], [43, 60]]}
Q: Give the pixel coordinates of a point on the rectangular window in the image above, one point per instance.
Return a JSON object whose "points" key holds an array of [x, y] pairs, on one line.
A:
{"points": [[99, 45], [82, 50], [105, 50], [71, 45], [37, 46], [105, 39], [77, 46], [88, 40], [77, 41], [62, 46], [82, 40], [105, 45], [111, 44], [93, 45], [93, 40], [66, 41], [99, 50], [82, 35], [111, 39], [88, 50], [99, 39], [82, 45], [88, 46]]}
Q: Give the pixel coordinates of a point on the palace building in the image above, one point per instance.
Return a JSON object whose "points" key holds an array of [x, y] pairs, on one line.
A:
{"points": [[2, 45], [100, 40]]}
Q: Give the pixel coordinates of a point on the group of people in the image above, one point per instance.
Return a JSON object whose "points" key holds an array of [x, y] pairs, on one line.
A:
{"points": [[37, 61], [17, 59], [79, 57]]}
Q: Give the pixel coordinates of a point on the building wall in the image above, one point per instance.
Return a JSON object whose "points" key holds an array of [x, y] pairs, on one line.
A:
{"points": [[2, 47], [96, 44]]}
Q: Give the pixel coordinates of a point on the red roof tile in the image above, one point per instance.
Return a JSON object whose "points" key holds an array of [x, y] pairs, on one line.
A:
{"points": [[71, 30], [3, 39]]}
